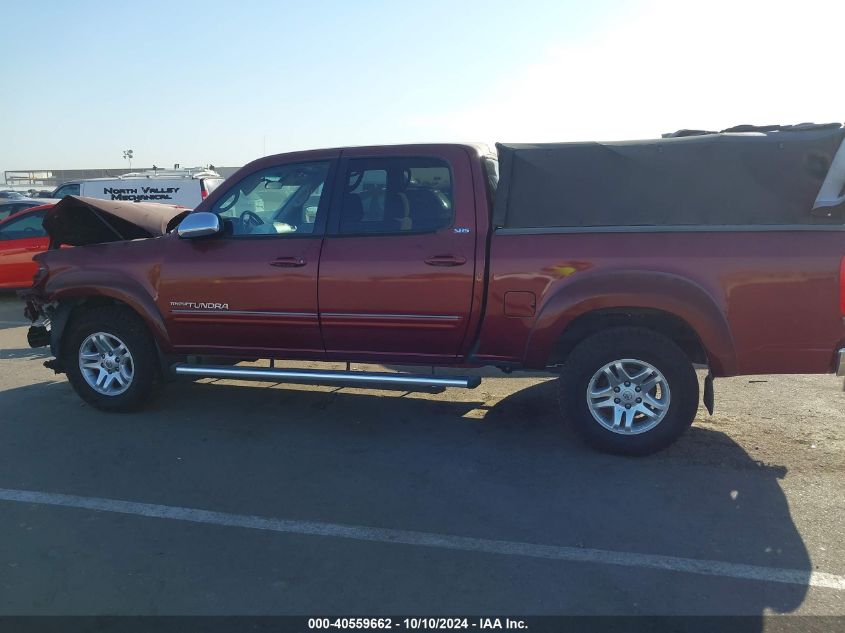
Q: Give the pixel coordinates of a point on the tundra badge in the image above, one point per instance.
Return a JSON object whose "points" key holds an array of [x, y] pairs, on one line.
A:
{"points": [[197, 305]]}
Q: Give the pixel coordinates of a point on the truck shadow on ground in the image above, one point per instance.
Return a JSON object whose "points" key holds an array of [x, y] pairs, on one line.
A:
{"points": [[425, 464]]}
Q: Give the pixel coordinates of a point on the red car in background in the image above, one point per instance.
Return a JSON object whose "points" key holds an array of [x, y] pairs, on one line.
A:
{"points": [[21, 237]]}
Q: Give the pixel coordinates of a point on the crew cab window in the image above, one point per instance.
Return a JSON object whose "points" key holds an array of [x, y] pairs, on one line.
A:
{"points": [[279, 200], [28, 226], [396, 195]]}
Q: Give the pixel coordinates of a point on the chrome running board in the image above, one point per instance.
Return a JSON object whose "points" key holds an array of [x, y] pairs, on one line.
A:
{"points": [[317, 376]]}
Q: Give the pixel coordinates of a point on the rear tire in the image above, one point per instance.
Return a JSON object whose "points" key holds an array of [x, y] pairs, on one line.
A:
{"points": [[111, 359], [628, 391]]}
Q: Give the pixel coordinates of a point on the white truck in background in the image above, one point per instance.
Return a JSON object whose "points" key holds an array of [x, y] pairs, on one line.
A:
{"points": [[182, 187]]}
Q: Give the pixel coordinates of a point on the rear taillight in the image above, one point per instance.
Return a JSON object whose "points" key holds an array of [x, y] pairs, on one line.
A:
{"points": [[842, 287], [203, 190]]}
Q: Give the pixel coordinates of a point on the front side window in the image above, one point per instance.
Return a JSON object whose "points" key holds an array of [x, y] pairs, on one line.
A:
{"points": [[396, 195], [275, 201], [28, 226]]}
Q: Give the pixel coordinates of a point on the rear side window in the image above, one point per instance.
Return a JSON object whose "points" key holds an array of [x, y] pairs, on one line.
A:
{"points": [[396, 196], [25, 227]]}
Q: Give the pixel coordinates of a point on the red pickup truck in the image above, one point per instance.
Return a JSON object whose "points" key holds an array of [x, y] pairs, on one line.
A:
{"points": [[619, 266]]}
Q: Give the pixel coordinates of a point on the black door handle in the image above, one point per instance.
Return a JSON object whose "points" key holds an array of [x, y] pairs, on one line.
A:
{"points": [[288, 262], [446, 260]]}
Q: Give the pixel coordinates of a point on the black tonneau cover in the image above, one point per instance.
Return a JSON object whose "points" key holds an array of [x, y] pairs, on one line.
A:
{"points": [[758, 177], [77, 220]]}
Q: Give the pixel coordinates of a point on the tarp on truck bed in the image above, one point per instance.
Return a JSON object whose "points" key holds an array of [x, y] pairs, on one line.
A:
{"points": [[758, 178]]}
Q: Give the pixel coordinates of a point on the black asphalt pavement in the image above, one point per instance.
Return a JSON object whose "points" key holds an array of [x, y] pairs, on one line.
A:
{"points": [[746, 487]]}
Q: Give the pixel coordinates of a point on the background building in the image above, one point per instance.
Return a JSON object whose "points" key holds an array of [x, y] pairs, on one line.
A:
{"points": [[24, 179]]}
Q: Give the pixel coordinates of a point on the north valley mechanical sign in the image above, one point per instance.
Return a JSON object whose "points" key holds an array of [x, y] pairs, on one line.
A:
{"points": [[141, 194]]}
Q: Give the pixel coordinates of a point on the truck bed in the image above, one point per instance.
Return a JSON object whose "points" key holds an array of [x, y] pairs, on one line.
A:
{"points": [[762, 301]]}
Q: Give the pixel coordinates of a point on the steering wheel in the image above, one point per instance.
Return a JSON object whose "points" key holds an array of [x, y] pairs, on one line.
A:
{"points": [[251, 218]]}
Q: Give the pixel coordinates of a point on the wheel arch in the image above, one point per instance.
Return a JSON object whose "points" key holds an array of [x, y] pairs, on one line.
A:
{"points": [[71, 302], [669, 304], [670, 325]]}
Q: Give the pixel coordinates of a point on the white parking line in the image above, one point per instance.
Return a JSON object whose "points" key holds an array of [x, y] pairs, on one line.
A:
{"points": [[442, 541]]}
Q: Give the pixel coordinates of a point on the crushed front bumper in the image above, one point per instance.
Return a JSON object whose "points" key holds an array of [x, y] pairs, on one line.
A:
{"points": [[840, 362], [39, 310], [36, 311], [43, 332], [38, 336]]}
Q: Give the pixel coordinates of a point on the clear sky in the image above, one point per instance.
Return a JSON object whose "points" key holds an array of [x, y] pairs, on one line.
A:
{"points": [[218, 82]]}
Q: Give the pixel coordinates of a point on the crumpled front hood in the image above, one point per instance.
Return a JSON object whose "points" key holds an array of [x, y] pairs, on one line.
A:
{"points": [[77, 221]]}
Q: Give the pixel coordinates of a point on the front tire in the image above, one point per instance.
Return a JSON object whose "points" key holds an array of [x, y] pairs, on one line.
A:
{"points": [[628, 391], [111, 359]]}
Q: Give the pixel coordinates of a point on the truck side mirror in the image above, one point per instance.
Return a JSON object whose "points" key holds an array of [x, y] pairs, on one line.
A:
{"points": [[200, 224]]}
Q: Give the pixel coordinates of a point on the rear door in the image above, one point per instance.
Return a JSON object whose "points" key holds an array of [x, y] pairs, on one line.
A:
{"points": [[397, 268]]}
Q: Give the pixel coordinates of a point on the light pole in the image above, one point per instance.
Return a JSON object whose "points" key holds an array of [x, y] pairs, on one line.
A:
{"points": [[127, 154]]}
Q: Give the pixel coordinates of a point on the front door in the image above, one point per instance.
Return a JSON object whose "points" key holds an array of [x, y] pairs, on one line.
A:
{"points": [[252, 291], [396, 273]]}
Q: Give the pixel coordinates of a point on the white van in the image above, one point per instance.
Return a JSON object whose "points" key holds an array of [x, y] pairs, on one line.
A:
{"points": [[183, 187]]}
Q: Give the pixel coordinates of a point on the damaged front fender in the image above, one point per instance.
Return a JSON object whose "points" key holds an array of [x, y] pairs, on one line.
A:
{"points": [[64, 280]]}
